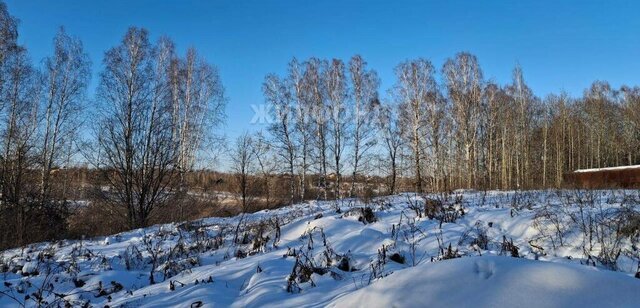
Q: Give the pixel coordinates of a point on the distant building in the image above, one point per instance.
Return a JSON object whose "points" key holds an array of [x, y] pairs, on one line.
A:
{"points": [[614, 177]]}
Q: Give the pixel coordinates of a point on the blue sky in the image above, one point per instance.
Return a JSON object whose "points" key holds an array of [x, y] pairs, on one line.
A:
{"points": [[561, 45]]}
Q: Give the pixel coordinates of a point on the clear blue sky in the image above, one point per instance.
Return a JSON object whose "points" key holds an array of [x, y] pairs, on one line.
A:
{"points": [[559, 45]]}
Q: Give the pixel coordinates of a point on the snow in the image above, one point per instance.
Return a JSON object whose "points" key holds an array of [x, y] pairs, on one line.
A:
{"points": [[29, 268], [497, 282], [197, 263]]}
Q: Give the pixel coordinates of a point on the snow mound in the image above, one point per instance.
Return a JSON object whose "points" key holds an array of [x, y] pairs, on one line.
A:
{"points": [[497, 282]]}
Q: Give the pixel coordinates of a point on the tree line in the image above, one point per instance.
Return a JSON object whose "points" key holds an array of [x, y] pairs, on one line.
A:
{"points": [[443, 128]]}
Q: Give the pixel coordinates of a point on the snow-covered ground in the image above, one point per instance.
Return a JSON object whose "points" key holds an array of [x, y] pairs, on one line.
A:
{"points": [[479, 249], [497, 282]]}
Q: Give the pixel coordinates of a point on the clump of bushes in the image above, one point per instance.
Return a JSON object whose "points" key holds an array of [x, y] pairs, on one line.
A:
{"points": [[367, 216], [509, 248]]}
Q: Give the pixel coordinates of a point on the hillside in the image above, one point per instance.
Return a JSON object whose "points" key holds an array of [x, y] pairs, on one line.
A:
{"points": [[467, 248]]}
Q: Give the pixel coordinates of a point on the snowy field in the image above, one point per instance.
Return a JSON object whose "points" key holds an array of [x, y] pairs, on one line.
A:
{"points": [[531, 249]]}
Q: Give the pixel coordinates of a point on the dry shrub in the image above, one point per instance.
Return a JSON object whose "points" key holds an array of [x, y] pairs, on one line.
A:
{"points": [[367, 216], [432, 208], [96, 219]]}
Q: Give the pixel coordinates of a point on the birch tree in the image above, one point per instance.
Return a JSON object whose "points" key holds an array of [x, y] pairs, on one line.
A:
{"points": [[8, 44], [20, 119], [243, 166], [282, 129], [267, 165], [314, 94], [463, 79], [492, 97], [415, 80], [336, 88], [391, 132], [631, 122], [364, 88], [303, 120], [198, 109], [134, 130], [66, 75]]}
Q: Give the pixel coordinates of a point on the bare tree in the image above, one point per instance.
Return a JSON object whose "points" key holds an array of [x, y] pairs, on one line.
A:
{"points": [[282, 129], [267, 164], [415, 82], [601, 112], [463, 79], [21, 93], [197, 107], [303, 121], [198, 110], [364, 83], [495, 99], [336, 87], [391, 132], [66, 75], [523, 104], [560, 117], [134, 130], [438, 125], [631, 122], [316, 100], [8, 44], [243, 166], [37, 121]]}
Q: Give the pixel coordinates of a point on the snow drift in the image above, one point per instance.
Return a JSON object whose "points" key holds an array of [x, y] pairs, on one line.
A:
{"points": [[406, 250], [497, 282]]}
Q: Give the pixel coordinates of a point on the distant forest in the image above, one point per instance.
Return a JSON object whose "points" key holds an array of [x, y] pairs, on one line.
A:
{"points": [[72, 165]]}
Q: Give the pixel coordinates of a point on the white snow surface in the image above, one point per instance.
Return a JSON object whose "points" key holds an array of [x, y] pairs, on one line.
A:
{"points": [[491, 281], [197, 263]]}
